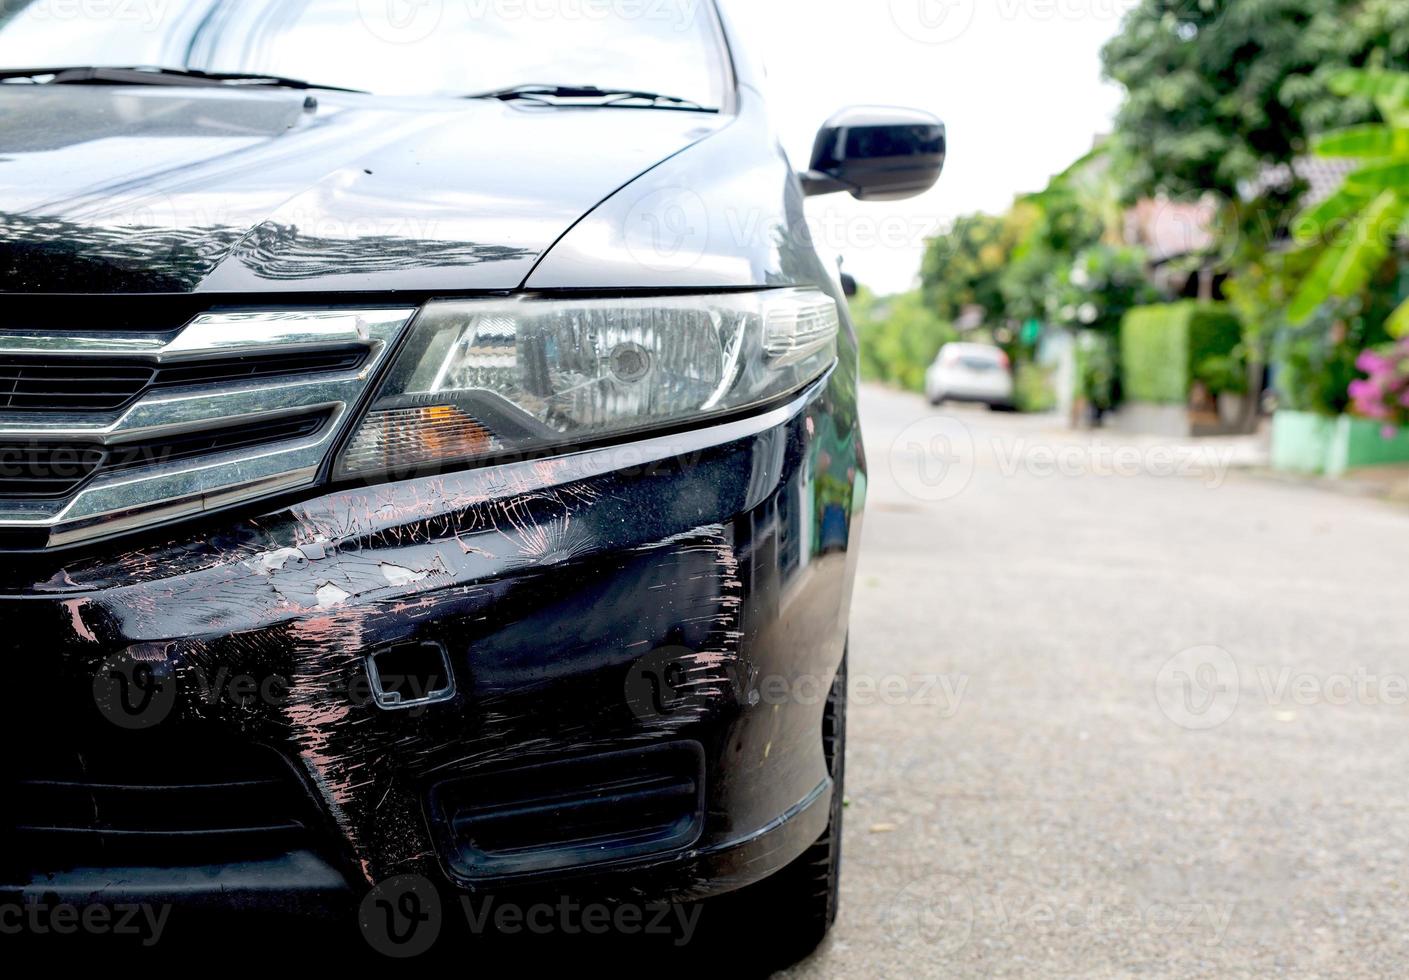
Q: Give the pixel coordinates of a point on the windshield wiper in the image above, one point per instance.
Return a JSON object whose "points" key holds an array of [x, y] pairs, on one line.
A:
{"points": [[592, 95], [145, 75]]}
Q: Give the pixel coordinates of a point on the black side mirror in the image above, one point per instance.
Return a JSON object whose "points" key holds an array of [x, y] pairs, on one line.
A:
{"points": [[849, 288], [877, 154]]}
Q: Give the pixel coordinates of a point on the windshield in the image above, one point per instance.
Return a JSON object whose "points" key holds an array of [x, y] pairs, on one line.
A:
{"points": [[394, 47]]}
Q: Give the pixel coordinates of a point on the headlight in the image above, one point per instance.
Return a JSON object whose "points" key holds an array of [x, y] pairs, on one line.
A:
{"points": [[485, 377]]}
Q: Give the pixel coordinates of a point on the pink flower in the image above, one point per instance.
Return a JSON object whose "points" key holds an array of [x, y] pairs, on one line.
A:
{"points": [[1372, 362], [1368, 399], [1384, 395]]}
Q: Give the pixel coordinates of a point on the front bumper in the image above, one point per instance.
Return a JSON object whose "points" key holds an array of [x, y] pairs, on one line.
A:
{"points": [[725, 555]]}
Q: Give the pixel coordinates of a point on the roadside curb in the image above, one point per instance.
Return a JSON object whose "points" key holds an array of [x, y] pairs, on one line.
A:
{"points": [[1391, 489]]}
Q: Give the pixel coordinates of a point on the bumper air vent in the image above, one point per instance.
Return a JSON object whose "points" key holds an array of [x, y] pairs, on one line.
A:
{"points": [[571, 813]]}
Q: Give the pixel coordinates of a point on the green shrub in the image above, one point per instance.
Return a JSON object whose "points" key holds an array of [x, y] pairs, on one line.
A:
{"points": [[1035, 390], [1165, 349], [900, 336]]}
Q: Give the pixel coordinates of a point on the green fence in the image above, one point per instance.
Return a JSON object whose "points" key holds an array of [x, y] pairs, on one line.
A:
{"points": [[1164, 349]]}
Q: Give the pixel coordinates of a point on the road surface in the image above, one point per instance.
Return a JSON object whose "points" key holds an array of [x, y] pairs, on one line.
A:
{"points": [[1119, 710]]}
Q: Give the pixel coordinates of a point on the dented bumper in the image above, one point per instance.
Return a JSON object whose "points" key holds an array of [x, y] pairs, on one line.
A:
{"points": [[683, 598]]}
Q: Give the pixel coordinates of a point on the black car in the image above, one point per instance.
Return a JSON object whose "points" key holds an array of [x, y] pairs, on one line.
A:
{"points": [[429, 462]]}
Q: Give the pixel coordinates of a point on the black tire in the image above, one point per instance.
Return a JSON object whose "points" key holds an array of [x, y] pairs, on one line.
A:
{"points": [[800, 902]]}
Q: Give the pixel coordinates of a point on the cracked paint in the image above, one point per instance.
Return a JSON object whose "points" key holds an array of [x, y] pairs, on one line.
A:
{"points": [[330, 595]]}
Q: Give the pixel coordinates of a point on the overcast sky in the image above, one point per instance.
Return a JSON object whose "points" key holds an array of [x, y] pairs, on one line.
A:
{"points": [[1018, 82]]}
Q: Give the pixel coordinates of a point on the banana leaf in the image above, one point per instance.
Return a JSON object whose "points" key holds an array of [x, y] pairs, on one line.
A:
{"points": [[1376, 141], [1383, 87], [1398, 322], [1347, 265], [1376, 177]]}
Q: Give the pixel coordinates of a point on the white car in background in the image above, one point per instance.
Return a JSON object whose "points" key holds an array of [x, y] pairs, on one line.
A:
{"points": [[971, 373]]}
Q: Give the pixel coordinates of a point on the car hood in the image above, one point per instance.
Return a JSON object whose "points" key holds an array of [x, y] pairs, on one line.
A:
{"points": [[195, 190]]}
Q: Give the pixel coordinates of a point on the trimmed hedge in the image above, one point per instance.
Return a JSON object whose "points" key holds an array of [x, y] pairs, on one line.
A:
{"points": [[1163, 347]]}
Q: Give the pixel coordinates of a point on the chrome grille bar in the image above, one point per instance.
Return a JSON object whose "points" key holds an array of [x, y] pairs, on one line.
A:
{"points": [[131, 496]]}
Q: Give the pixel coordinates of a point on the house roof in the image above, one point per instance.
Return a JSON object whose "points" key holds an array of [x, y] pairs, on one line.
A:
{"points": [[1323, 177], [1168, 229]]}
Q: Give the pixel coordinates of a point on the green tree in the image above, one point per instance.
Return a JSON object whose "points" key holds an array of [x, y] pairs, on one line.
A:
{"points": [[1060, 222], [1219, 89], [900, 336], [1354, 234], [964, 267], [1101, 285]]}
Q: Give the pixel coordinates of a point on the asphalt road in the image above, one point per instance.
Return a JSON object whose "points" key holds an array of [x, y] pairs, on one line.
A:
{"points": [[1119, 710]]}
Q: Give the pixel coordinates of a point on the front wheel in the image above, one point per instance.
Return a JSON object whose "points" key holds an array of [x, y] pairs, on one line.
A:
{"points": [[800, 902]]}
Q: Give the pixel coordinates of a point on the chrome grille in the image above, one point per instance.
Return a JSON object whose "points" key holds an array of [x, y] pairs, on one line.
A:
{"points": [[43, 470], [108, 432], [28, 384], [246, 368], [195, 445], [84, 383]]}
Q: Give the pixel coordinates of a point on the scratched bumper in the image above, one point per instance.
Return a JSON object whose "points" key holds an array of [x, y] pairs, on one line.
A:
{"points": [[550, 584]]}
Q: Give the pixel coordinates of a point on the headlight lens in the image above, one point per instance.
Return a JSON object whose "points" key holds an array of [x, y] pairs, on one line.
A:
{"points": [[485, 377]]}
